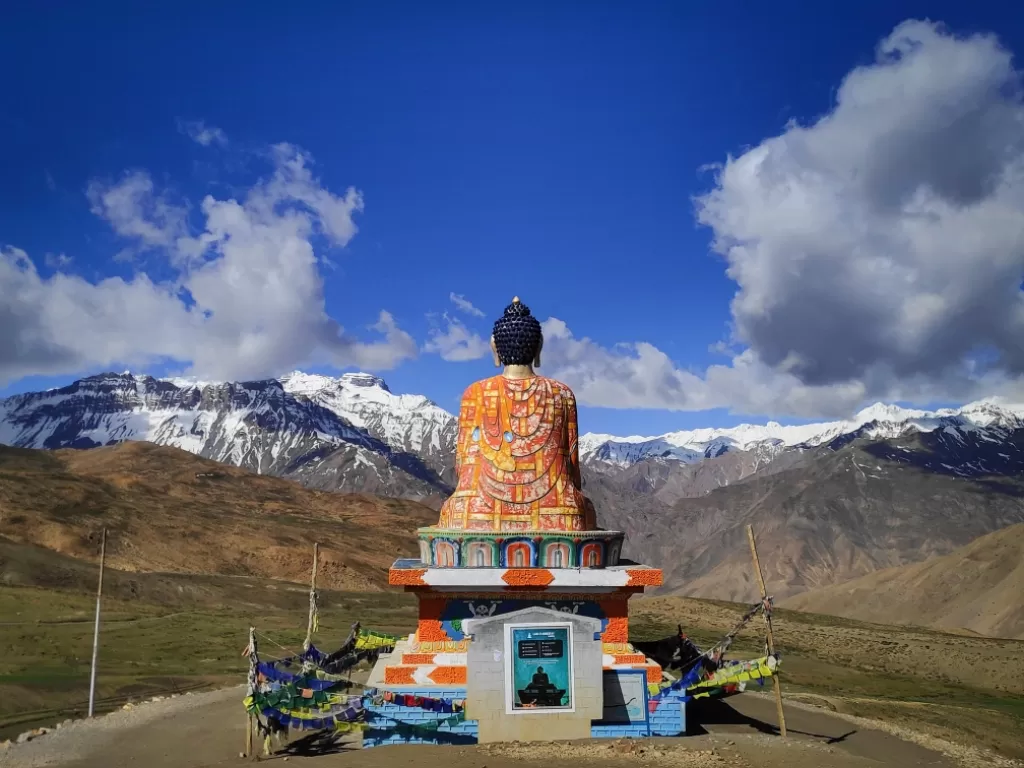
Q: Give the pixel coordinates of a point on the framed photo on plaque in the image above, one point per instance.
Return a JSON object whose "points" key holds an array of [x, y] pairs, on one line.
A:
{"points": [[538, 668]]}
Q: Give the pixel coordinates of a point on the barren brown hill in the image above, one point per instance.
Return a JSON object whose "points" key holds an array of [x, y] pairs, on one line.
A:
{"points": [[979, 587], [834, 516], [170, 511]]}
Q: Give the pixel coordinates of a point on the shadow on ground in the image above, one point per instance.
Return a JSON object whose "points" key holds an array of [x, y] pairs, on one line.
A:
{"points": [[712, 712], [315, 745]]}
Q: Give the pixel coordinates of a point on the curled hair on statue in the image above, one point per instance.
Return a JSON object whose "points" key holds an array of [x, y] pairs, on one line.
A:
{"points": [[517, 335]]}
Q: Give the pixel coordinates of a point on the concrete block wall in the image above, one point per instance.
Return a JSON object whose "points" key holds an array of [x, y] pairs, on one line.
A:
{"points": [[383, 718], [618, 731], [669, 719], [485, 691]]}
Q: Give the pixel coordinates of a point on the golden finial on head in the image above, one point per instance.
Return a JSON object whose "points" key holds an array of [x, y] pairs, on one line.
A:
{"points": [[515, 299]]}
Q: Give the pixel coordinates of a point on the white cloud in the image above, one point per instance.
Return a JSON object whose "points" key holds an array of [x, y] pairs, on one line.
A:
{"points": [[456, 343], [375, 356], [624, 376], [293, 180], [64, 324], [201, 133], [57, 260], [881, 248], [135, 212], [639, 375], [246, 302], [464, 305], [878, 251]]}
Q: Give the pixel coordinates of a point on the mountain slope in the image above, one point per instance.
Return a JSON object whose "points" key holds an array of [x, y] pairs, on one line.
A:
{"points": [[830, 502], [979, 587], [346, 433], [832, 516], [668, 480], [168, 510]]}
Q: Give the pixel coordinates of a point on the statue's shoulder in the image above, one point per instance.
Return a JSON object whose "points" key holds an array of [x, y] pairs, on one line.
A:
{"points": [[560, 388], [477, 387], [471, 390], [553, 386]]}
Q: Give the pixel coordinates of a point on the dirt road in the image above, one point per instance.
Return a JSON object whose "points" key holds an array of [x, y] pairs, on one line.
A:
{"points": [[207, 730]]}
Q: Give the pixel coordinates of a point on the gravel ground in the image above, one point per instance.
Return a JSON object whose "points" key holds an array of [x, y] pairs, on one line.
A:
{"points": [[207, 730], [86, 737], [964, 756], [653, 754]]}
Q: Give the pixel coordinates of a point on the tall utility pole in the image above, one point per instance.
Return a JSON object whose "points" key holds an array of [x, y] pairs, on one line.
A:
{"points": [[312, 598], [96, 630], [768, 628]]}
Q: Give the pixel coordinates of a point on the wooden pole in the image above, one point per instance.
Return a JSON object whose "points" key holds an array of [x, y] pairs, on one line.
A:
{"points": [[312, 597], [248, 737], [251, 653], [768, 628], [96, 628]]}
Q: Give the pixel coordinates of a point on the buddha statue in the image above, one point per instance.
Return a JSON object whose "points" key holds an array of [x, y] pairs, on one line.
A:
{"points": [[517, 460]]}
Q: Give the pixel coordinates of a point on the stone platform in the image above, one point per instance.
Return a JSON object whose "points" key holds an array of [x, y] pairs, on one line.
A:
{"points": [[436, 653], [623, 576], [464, 641]]}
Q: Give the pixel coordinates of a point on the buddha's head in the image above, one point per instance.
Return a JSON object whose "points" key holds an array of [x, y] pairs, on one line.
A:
{"points": [[517, 338]]}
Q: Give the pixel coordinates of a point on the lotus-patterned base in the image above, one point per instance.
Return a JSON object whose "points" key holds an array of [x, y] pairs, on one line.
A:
{"points": [[458, 548]]}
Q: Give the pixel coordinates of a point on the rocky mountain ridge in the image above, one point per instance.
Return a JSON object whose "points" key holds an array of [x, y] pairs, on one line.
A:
{"points": [[823, 516], [879, 421], [352, 433], [270, 425], [348, 432], [830, 501]]}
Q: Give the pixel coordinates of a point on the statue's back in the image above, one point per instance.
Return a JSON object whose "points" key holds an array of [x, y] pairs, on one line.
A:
{"points": [[517, 459]]}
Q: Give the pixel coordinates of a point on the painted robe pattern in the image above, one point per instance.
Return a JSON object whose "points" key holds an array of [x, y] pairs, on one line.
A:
{"points": [[517, 459]]}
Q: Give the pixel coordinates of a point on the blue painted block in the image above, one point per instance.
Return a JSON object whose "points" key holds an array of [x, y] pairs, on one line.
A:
{"points": [[387, 715], [623, 730], [669, 719]]}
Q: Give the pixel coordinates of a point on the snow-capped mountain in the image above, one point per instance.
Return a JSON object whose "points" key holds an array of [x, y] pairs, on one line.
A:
{"points": [[348, 433], [409, 423], [878, 421], [352, 433], [835, 500]]}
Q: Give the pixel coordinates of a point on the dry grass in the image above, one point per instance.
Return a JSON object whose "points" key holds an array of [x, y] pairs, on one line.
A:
{"points": [[961, 688], [189, 640], [977, 587], [170, 511]]}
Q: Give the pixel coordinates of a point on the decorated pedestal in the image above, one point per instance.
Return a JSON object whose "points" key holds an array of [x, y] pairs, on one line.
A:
{"points": [[483, 631], [456, 548]]}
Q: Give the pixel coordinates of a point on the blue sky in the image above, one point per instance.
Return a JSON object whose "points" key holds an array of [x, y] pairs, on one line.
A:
{"points": [[547, 150]]}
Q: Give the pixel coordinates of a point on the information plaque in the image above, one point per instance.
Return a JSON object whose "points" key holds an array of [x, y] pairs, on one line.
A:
{"points": [[538, 674]]}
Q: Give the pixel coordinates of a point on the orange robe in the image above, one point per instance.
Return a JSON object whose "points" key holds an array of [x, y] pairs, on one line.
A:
{"points": [[517, 459]]}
